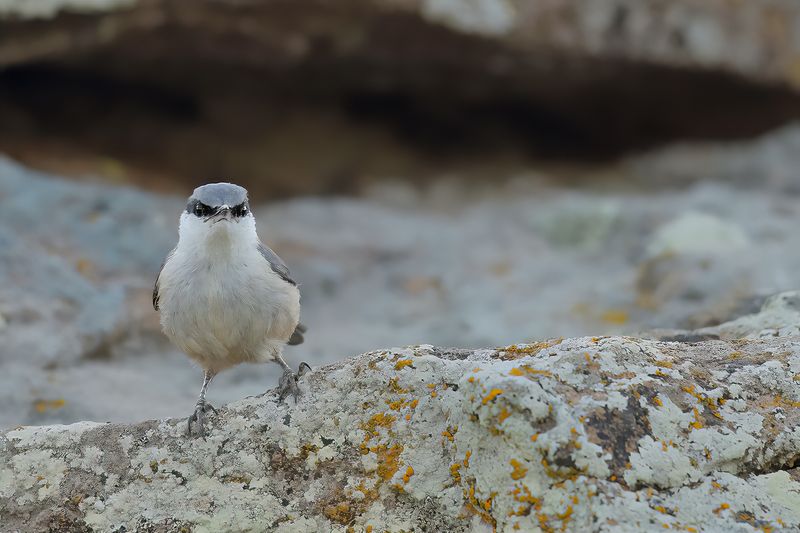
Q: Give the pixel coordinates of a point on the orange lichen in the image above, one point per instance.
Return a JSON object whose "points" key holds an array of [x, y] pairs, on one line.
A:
{"points": [[474, 506], [503, 415], [450, 432], [43, 405], [534, 437], [388, 460], [395, 405], [516, 372], [408, 474], [778, 401], [402, 363], [698, 422], [467, 455], [516, 351], [519, 470], [395, 387], [471, 379], [383, 420], [454, 472], [657, 401], [341, 512], [494, 393], [615, 316], [722, 507]]}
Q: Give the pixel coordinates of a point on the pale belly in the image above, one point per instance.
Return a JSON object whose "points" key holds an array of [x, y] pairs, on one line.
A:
{"points": [[222, 316]]}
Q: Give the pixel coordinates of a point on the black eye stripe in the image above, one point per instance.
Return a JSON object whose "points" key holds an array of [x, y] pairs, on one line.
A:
{"points": [[199, 209], [240, 210]]}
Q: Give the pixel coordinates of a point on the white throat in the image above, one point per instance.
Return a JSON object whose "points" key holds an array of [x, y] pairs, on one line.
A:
{"points": [[216, 240]]}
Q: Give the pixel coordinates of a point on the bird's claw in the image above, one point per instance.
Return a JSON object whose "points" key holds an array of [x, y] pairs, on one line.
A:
{"points": [[288, 383], [198, 418]]}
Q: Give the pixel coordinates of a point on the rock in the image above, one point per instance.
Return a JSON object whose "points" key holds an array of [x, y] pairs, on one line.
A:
{"points": [[698, 234], [767, 161], [778, 317], [583, 434], [752, 40], [180, 85]]}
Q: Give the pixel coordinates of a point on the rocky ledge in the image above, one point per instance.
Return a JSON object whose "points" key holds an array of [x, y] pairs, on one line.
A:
{"points": [[583, 434]]}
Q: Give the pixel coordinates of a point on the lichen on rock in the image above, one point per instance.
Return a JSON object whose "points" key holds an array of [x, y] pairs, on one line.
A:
{"points": [[585, 434]]}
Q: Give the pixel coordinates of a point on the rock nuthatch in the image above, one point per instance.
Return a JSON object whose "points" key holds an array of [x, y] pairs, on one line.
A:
{"points": [[226, 298]]}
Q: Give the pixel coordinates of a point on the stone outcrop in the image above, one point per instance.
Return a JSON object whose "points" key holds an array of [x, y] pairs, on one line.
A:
{"points": [[583, 434], [374, 87], [754, 39]]}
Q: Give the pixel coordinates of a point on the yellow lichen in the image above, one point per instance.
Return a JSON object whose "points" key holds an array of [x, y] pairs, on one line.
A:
{"points": [[341, 512], [503, 415], [722, 507], [473, 505], [43, 405], [516, 351], [698, 422], [408, 474], [657, 401], [615, 316], [402, 363], [519, 470], [454, 472], [494, 393], [377, 420], [388, 460], [395, 387]]}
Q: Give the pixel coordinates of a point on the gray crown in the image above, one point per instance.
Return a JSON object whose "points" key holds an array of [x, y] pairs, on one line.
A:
{"points": [[216, 194]]}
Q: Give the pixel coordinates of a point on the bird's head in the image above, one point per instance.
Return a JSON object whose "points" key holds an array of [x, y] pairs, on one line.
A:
{"points": [[218, 202], [217, 210]]}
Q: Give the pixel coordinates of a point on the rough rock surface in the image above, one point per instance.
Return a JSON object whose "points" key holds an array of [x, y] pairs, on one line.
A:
{"points": [[753, 39], [584, 434]]}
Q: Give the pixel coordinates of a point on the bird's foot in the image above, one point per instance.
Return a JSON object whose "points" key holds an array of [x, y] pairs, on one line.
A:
{"points": [[288, 382], [197, 420]]}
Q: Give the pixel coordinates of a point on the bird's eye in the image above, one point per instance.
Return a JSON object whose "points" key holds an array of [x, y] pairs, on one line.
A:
{"points": [[199, 209]]}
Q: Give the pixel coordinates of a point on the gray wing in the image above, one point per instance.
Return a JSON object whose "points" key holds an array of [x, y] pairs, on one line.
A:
{"points": [[276, 263], [155, 286], [279, 267], [297, 336]]}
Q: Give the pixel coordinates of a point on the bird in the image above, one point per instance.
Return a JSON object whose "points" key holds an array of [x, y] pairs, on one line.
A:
{"points": [[224, 297]]}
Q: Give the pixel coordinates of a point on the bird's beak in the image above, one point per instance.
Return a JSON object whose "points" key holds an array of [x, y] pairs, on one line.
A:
{"points": [[223, 213]]}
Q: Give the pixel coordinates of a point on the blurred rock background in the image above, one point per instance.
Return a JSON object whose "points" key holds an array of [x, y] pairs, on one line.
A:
{"points": [[471, 173]]}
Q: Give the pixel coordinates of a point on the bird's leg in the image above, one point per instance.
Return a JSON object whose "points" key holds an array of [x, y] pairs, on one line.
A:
{"points": [[201, 407], [288, 382]]}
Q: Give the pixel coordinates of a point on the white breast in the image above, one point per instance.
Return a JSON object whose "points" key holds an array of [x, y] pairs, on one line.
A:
{"points": [[220, 301]]}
